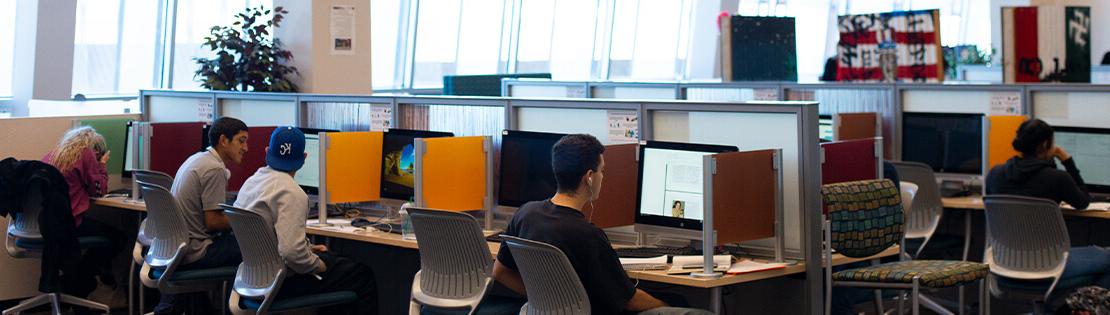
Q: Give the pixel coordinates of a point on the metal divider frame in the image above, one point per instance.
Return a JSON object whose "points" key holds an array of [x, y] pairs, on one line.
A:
{"points": [[304, 99], [508, 83]]}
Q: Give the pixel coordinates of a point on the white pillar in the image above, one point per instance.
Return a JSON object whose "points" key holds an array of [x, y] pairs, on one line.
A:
{"points": [[306, 32], [42, 67]]}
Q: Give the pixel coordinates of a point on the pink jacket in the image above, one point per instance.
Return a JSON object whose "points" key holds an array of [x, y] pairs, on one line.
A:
{"points": [[88, 178]]}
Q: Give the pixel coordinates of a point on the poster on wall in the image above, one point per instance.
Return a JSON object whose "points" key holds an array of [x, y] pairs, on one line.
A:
{"points": [[1046, 44], [624, 126], [206, 111], [342, 30], [901, 46]]}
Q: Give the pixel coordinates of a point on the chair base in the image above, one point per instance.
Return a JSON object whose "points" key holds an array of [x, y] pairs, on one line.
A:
{"points": [[55, 300]]}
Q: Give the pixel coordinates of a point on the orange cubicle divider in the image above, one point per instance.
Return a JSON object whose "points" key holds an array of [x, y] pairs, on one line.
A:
{"points": [[852, 126], [452, 173], [1000, 136], [745, 195], [617, 199], [353, 163]]}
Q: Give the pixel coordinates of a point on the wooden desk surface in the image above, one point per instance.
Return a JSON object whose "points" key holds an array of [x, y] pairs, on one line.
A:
{"points": [[120, 202], [341, 229], [975, 202]]}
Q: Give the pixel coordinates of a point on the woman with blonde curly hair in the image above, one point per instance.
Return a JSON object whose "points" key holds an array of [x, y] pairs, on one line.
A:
{"points": [[82, 157]]}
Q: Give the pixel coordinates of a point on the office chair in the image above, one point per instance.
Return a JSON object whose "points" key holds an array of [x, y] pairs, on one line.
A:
{"points": [[1027, 247], [262, 271], [455, 263], [25, 240], [142, 241], [552, 285], [866, 218], [168, 241]]}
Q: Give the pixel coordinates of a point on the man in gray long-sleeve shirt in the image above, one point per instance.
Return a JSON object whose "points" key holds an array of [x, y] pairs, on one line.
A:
{"points": [[272, 193]]}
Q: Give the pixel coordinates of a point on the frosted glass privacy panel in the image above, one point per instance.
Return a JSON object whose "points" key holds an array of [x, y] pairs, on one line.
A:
{"points": [[339, 116], [948, 101], [260, 112], [462, 120], [714, 94], [175, 109], [636, 93], [564, 120], [1075, 109], [748, 131], [547, 91]]}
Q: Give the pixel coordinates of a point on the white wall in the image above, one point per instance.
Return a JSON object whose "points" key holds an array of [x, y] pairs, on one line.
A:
{"points": [[306, 31], [43, 57]]}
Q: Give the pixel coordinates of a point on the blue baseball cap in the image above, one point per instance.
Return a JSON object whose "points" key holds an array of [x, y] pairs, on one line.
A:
{"points": [[286, 149]]}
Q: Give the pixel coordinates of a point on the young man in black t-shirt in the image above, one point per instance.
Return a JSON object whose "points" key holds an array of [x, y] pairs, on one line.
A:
{"points": [[579, 169]]}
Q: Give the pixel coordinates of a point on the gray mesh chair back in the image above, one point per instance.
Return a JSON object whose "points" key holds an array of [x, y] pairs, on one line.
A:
{"points": [[455, 261], [550, 281], [153, 177], [924, 216], [263, 269], [25, 224], [1026, 239], [168, 235]]}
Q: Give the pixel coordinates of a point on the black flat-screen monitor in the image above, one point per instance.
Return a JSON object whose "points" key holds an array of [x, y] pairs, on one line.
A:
{"points": [[670, 184], [398, 161], [308, 177], [1090, 148], [949, 143], [130, 151], [526, 173]]}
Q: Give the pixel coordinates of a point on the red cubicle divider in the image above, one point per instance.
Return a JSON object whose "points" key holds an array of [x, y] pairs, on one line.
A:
{"points": [[172, 143]]}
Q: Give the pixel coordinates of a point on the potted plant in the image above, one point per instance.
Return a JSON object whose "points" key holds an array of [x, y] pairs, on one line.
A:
{"points": [[247, 58]]}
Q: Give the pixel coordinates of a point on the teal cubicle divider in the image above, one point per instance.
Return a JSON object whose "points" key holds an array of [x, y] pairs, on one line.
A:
{"points": [[114, 131]]}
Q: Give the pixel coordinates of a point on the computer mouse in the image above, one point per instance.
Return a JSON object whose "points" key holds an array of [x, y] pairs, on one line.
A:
{"points": [[360, 222]]}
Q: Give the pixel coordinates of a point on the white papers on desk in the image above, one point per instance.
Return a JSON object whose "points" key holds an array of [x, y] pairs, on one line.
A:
{"points": [[687, 264], [747, 266], [653, 263], [1094, 206]]}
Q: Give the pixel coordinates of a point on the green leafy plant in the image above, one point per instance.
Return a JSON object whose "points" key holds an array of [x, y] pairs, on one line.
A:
{"points": [[247, 59]]}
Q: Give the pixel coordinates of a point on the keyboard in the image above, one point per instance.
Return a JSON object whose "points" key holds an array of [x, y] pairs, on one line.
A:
{"points": [[655, 251]]}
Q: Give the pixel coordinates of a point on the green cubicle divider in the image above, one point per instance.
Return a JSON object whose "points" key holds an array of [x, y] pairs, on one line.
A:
{"points": [[114, 131]]}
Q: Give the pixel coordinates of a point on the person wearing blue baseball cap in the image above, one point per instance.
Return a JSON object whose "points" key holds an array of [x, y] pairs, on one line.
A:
{"points": [[273, 194]]}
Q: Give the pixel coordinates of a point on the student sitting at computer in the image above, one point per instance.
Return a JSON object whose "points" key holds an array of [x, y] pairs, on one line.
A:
{"points": [[272, 193], [579, 169], [81, 156], [1034, 174], [199, 187]]}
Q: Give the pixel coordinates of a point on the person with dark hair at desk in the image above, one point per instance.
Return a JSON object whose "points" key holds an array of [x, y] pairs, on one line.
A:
{"points": [[1033, 173], [579, 169], [199, 187]]}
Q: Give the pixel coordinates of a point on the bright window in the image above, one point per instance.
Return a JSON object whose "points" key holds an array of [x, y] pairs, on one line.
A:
{"points": [[114, 46], [385, 33], [437, 41], [7, 46], [558, 37], [647, 37], [194, 20]]}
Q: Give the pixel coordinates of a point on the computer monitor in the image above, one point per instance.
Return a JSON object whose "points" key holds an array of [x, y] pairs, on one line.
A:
{"points": [[1090, 147], [398, 161], [949, 143], [130, 151], [526, 173], [669, 196], [308, 177], [825, 128]]}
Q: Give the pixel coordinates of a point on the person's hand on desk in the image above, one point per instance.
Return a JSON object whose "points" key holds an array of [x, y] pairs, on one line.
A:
{"points": [[319, 248]]}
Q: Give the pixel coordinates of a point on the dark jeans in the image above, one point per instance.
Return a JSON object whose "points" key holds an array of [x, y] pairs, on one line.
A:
{"points": [[223, 252], [342, 275], [1088, 261], [95, 261]]}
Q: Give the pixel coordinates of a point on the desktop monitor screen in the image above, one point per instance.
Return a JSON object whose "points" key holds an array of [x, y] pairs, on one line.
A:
{"points": [[1090, 147], [670, 188], [308, 177], [526, 173], [949, 143], [398, 161], [825, 128], [130, 147]]}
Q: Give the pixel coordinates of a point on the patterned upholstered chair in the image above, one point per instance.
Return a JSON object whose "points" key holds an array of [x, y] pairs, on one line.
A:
{"points": [[865, 218]]}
